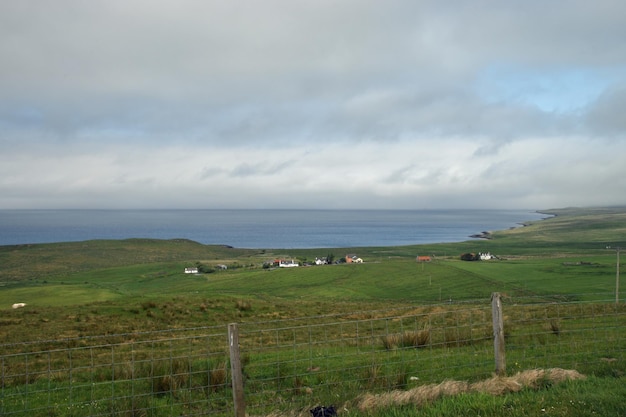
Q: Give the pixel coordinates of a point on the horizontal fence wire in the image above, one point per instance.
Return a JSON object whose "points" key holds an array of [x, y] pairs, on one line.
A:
{"points": [[292, 365], [157, 373]]}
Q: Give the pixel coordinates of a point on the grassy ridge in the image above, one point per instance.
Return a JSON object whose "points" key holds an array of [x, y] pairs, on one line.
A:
{"points": [[39, 261]]}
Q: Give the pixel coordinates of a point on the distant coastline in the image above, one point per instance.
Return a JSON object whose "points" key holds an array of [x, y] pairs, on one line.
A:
{"points": [[488, 235], [260, 229], [482, 235]]}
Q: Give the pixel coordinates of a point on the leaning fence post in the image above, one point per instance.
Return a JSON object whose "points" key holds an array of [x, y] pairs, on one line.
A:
{"points": [[498, 333], [235, 368]]}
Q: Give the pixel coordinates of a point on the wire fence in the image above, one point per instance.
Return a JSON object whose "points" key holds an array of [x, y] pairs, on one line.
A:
{"points": [[290, 366]]}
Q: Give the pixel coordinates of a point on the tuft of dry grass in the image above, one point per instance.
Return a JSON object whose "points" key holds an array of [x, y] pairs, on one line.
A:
{"points": [[555, 327], [169, 376], [496, 385], [418, 395], [243, 305], [218, 376], [406, 339]]}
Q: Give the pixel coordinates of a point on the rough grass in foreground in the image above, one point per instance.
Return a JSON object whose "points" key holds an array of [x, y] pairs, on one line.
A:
{"points": [[497, 385], [427, 399]]}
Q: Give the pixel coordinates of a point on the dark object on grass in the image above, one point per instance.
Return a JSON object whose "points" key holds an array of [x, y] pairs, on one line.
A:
{"points": [[470, 257], [321, 411]]}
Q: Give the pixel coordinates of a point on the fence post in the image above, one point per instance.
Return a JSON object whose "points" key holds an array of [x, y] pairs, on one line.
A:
{"points": [[498, 333], [235, 368]]}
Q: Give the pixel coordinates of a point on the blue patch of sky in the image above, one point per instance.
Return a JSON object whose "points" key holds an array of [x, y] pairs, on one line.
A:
{"points": [[556, 90]]}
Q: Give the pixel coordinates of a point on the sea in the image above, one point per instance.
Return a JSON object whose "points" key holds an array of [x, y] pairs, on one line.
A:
{"points": [[260, 229]]}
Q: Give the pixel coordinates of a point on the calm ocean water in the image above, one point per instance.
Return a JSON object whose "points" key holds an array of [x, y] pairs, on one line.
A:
{"points": [[259, 228]]}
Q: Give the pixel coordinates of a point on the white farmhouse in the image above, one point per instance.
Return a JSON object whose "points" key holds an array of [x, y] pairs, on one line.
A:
{"points": [[287, 264]]}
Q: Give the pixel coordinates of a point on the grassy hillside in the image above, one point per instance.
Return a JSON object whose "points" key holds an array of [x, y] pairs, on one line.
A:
{"points": [[40, 261], [564, 255], [101, 288]]}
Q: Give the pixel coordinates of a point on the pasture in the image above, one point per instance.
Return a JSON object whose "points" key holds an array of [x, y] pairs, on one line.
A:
{"points": [[89, 289]]}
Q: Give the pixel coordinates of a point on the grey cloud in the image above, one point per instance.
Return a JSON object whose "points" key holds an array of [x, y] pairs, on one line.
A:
{"points": [[605, 116], [400, 175], [210, 172], [247, 169], [445, 114], [366, 84], [537, 33], [200, 68]]}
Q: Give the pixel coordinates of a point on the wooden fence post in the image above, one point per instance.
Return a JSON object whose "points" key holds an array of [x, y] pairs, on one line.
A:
{"points": [[235, 369], [498, 333]]}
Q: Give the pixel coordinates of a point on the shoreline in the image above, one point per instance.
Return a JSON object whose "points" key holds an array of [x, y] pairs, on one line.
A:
{"points": [[488, 235], [267, 229]]}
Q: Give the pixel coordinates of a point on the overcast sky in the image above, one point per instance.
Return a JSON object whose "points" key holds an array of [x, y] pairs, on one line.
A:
{"points": [[401, 104]]}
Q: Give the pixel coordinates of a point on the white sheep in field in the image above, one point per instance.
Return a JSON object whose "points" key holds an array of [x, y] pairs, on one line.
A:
{"points": [[19, 305]]}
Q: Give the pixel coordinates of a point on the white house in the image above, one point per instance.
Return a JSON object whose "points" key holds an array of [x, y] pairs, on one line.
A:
{"points": [[191, 270], [287, 264], [485, 256]]}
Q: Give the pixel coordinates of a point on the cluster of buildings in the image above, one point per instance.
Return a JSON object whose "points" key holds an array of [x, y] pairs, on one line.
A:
{"points": [[288, 263], [353, 258], [350, 258], [480, 256], [196, 270]]}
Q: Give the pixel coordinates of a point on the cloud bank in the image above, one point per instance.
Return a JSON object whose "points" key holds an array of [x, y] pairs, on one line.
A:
{"points": [[312, 104]]}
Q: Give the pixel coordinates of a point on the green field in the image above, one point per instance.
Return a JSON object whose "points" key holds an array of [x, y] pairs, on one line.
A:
{"points": [[95, 288], [564, 255]]}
